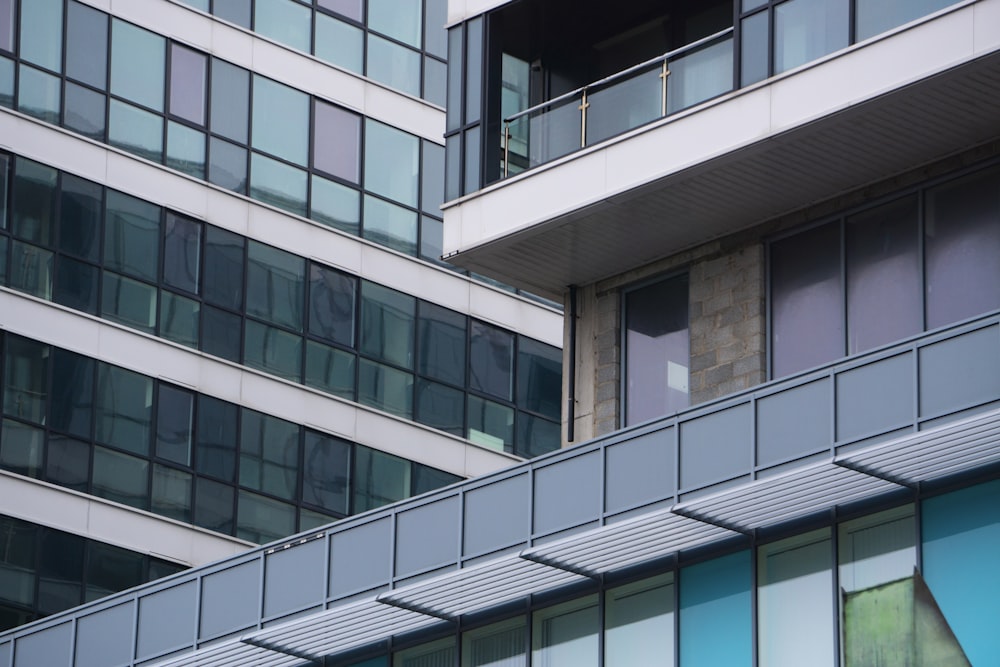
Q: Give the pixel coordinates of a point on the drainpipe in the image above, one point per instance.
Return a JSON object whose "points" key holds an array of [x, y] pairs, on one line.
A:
{"points": [[571, 397]]}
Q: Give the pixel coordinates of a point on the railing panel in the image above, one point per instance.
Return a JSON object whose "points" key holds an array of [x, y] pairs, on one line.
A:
{"points": [[554, 131], [52, 646], [640, 471], [782, 439], [230, 600], [361, 558], [294, 578], [160, 630], [959, 372], [105, 638], [876, 397], [625, 104], [567, 494], [716, 447], [497, 515], [427, 536], [700, 75]]}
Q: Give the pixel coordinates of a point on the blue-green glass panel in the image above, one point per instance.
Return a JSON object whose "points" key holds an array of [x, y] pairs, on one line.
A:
{"points": [[26, 379], [34, 207], [280, 120], [87, 45], [182, 253], [330, 369], [435, 81], [393, 65], [7, 25], [31, 269], [275, 285], [81, 217], [6, 82], [235, 11], [227, 166], [269, 454], [132, 236], [441, 407], [221, 333], [179, 319], [340, 43], [875, 16], [390, 225], [491, 424], [273, 350], [215, 438], [38, 94], [535, 436], [261, 519], [185, 149], [961, 540], [387, 324], [136, 131], [539, 377], [326, 472], [284, 21], [171, 496], [332, 304], [84, 111], [336, 205], [138, 64], [441, 344], [385, 388], [128, 301], [41, 33], [352, 9], [3, 260], [399, 19], [379, 479], [223, 281], [124, 409], [197, 4], [230, 97], [278, 184], [392, 163], [120, 477], [435, 35], [715, 612]]}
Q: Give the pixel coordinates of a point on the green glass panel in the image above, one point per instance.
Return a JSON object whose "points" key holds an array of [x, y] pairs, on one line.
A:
{"points": [[379, 479], [81, 217], [185, 150], [26, 379], [84, 111], [121, 478], [38, 94], [21, 448], [124, 409], [273, 350], [31, 269], [132, 236], [41, 33], [34, 202], [179, 319], [385, 388], [326, 472], [330, 370], [138, 65], [275, 285], [137, 131], [390, 225], [129, 301], [284, 21], [392, 162], [336, 205], [332, 304], [387, 324], [262, 520], [172, 493], [441, 407], [76, 284], [340, 43], [269, 454], [394, 65], [278, 184], [6, 82], [399, 19], [280, 120], [491, 424]]}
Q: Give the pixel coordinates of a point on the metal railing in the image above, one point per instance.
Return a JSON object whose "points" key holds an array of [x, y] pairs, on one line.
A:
{"points": [[554, 127]]}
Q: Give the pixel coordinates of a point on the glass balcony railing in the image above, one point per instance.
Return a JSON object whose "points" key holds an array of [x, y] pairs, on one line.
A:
{"points": [[623, 101]]}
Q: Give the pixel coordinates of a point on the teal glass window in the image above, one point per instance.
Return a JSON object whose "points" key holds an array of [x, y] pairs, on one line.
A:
{"points": [[132, 236], [124, 409], [5, 166], [385, 388], [278, 184], [426, 478], [441, 351], [111, 569], [84, 111], [340, 43], [435, 36], [326, 472], [174, 424], [275, 285], [566, 634], [25, 379], [399, 19], [440, 652], [227, 166], [432, 183], [330, 369], [38, 94], [272, 350], [223, 283], [491, 362], [17, 560], [185, 150], [280, 120], [136, 131], [269, 454], [390, 225], [379, 479], [72, 393], [21, 448], [171, 493], [285, 21], [435, 81], [431, 239], [391, 162], [387, 324], [128, 301], [393, 65], [138, 64], [87, 45], [230, 97], [34, 202], [262, 519], [715, 608], [31, 269], [41, 33], [215, 438], [335, 205], [3, 260], [491, 424], [873, 17], [60, 570], [121, 478], [336, 141], [332, 304]]}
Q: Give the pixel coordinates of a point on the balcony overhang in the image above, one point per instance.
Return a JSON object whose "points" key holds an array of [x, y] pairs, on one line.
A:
{"points": [[880, 108]]}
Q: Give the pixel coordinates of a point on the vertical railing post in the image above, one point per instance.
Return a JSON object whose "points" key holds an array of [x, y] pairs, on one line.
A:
{"points": [[506, 148], [664, 73], [584, 105]]}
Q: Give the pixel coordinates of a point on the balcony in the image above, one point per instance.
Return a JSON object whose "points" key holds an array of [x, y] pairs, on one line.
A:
{"points": [[629, 179]]}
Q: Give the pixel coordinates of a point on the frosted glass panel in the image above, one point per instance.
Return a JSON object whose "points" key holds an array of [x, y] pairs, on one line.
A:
{"points": [[566, 635], [498, 645], [877, 549], [639, 623]]}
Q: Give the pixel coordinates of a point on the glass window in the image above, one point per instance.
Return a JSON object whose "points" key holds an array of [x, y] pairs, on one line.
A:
{"points": [[883, 275], [223, 283], [962, 248], [124, 409], [491, 424], [128, 301], [336, 205], [326, 472], [566, 634], [393, 65], [491, 360], [280, 120], [441, 652], [456, 58], [221, 333], [41, 33], [7, 24], [539, 377], [536, 436], [278, 184], [181, 252], [75, 284], [795, 605], [230, 99], [137, 64], [390, 225], [171, 495], [308, 519], [134, 130], [67, 463], [87, 45], [60, 570], [284, 21], [385, 388], [435, 36], [473, 72], [3, 260], [5, 166], [340, 43], [330, 369], [275, 285], [715, 610], [639, 623], [806, 319], [179, 319], [34, 202], [6, 82], [227, 166], [31, 270], [214, 506], [656, 349], [441, 406], [80, 217], [754, 47], [72, 393], [805, 30], [215, 438], [432, 185], [21, 448], [352, 9], [875, 16], [174, 424], [38, 94], [399, 19], [263, 519], [235, 11], [332, 304], [435, 81], [17, 560], [273, 351], [427, 479], [391, 162], [431, 239], [26, 379], [877, 549], [387, 324], [269, 454], [442, 342], [185, 150], [336, 141], [379, 479], [110, 569], [121, 478]]}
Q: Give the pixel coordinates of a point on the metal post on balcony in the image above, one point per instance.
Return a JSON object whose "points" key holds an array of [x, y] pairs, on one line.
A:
{"points": [[584, 105], [506, 148], [664, 73]]}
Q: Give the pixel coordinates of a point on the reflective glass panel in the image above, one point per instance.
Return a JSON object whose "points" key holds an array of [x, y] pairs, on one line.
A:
{"points": [[441, 407], [179, 319], [390, 225], [227, 166], [135, 130], [84, 111], [214, 506], [185, 150], [432, 185], [221, 333], [21, 448], [442, 336], [387, 324], [131, 236], [26, 379], [278, 184], [215, 438], [877, 549], [715, 612], [223, 283], [539, 377], [875, 16], [31, 269], [435, 36], [17, 560], [285, 21], [7, 24], [38, 94], [753, 43], [336, 205], [332, 304], [124, 409], [41, 33], [385, 388], [275, 285], [326, 472], [473, 69], [330, 369], [352, 9], [3, 260], [280, 120], [76, 284], [399, 19], [391, 162], [174, 424], [34, 206], [67, 463], [441, 652], [431, 239], [110, 569], [435, 81], [80, 217], [379, 479], [269, 454], [273, 350], [235, 11], [121, 478], [171, 494], [491, 360], [230, 100], [340, 43], [262, 519], [72, 393], [427, 479], [137, 64], [336, 141], [128, 301], [60, 570], [87, 45], [535, 436], [805, 30], [491, 424], [639, 623], [181, 252], [6, 82], [566, 634], [393, 65]]}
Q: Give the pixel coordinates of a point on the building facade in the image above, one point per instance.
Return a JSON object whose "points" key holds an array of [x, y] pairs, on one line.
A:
{"points": [[775, 229], [224, 315]]}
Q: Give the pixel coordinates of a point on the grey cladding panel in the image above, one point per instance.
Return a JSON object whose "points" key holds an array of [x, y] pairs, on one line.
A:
{"points": [[427, 536], [568, 493], [160, 629], [48, 648], [361, 558], [640, 471], [875, 398], [496, 515], [715, 446], [960, 371], [104, 639], [294, 578], [230, 599], [5, 654], [795, 422]]}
